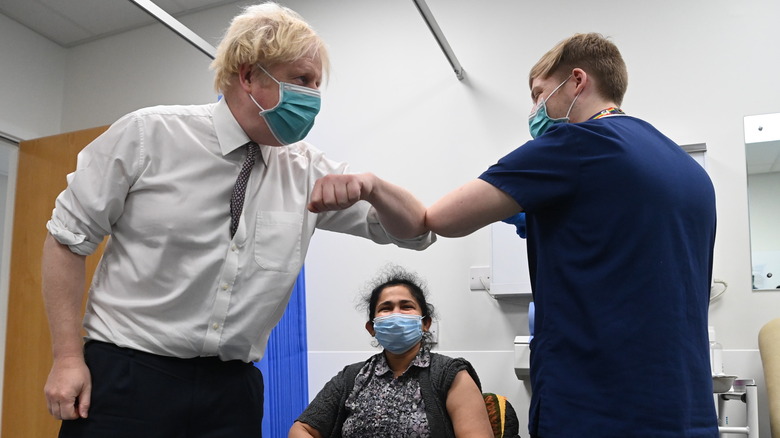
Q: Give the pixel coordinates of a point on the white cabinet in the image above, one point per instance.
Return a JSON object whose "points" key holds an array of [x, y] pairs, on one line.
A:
{"points": [[509, 275]]}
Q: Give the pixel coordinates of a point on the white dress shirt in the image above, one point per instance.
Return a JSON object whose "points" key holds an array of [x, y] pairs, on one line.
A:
{"points": [[171, 281]]}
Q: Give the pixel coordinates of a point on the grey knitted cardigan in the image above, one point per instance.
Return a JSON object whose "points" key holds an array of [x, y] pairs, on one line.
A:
{"points": [[327, 412]]}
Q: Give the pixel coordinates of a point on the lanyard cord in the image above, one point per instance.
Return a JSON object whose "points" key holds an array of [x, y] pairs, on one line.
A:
{"points": [[612, 111]]}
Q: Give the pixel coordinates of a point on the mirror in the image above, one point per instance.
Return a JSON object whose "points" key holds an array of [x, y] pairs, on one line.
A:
{"points": [[762, 153]]}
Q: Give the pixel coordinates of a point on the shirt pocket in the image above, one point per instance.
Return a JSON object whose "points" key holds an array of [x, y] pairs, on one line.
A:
{"points": [[278, 240]]}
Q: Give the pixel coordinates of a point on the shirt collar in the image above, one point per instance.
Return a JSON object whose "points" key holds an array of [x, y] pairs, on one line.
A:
{"points": [[422, 360], [230, 135]]}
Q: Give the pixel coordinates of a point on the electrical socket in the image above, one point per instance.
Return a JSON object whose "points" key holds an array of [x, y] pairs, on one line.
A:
{"points": [[479, 276]]}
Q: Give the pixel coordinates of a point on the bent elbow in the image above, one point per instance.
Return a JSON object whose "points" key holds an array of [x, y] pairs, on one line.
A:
{"points": [[444, 226]]}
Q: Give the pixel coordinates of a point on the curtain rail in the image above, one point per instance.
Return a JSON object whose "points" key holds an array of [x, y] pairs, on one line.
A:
{"points": [[10, 138], [440, 38], [175, 25]]}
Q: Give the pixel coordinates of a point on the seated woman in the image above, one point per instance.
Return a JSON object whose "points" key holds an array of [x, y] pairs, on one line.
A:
{"points": [[404, 391]]}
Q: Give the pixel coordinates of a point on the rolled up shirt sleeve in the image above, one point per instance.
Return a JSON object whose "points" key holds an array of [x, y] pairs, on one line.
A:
{"points": [[378, 234], [95, 196], [77, 243]]}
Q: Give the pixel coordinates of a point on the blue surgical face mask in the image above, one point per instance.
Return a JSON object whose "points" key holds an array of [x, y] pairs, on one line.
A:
{"points": [[398, 332], [292, 118], [539, 122]]}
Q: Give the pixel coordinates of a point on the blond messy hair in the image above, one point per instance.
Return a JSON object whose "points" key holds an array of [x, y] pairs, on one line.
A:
{"points": [[592, 52], [265, 34]]}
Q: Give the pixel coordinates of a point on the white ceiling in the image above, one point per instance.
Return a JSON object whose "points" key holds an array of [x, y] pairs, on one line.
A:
{"points": [[70, 23]]}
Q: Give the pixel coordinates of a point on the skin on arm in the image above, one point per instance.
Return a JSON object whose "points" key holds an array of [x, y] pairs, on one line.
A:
{"points": [[303, 430], [400, 212], [466, 408], [69, 385], [469, 208]]}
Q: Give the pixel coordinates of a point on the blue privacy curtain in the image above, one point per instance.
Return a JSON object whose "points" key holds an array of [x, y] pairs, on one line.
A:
{"points": [[284, 366]]}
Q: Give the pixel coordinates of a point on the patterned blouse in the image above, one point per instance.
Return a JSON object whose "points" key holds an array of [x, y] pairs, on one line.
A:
{"points": [[383, 406]]}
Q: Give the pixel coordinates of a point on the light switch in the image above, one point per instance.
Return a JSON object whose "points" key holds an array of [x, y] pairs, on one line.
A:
{"points": [[479, 277]]}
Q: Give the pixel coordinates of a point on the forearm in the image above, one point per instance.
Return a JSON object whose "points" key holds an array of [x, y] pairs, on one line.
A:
{"points": [[63, 291], [400, 212]]}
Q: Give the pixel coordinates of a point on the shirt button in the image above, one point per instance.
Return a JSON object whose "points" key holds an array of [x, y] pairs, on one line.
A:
{"points": [[225, 287], [216, 326], [234, 248]]}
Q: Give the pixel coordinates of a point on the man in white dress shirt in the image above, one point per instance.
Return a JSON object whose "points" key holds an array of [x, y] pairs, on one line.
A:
{"points": [[185, 297]]}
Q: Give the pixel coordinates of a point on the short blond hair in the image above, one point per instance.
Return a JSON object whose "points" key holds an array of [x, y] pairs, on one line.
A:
{"points": [[265, 34], [592, 52]]}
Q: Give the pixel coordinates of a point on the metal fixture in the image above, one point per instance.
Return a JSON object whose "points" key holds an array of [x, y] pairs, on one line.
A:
{"points": [[437, 33], [175, 25], [9, 138], [183, 31]]}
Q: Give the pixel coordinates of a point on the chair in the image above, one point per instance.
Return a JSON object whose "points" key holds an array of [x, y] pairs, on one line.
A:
{"points": [[769, 346], [503, 418]]}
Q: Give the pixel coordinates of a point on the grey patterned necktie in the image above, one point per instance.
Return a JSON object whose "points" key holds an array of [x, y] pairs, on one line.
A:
{"points": [[237, 198]]}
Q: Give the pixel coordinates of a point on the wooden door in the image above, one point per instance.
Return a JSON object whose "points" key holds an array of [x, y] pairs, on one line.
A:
{"points": [[43, 165]]}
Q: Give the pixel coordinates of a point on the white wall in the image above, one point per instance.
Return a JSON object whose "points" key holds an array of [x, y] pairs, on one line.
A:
{"points": [[394, 107], [149, 66], [31, 82]]}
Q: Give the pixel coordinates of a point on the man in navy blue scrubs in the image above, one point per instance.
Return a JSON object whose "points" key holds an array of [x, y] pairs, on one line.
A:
{"points": [[621, 228]]}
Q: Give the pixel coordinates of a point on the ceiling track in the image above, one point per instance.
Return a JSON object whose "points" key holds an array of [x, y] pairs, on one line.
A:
{"points": [[183, 31], [175, 25], [10, 138], [440, 38]]}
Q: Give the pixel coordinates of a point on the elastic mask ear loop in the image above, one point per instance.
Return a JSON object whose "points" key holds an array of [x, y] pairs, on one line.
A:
{"points": [[269, 74], [556, 89], [572, 105], [277, 83], [253, 100]]}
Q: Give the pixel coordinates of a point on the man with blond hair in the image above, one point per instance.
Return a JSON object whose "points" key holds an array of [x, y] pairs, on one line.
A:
{"points": [[621, 227], [210, 209]]}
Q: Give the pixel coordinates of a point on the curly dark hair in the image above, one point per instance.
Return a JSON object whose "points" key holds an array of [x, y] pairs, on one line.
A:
{"points": [[395, 275]]}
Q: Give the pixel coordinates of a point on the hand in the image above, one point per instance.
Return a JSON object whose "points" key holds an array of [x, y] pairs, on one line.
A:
{"points": [[68, 389], [338, 192]]}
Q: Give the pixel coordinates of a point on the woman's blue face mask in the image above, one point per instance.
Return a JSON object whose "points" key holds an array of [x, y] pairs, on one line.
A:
{"points": [[539, 121], [398, 332]]}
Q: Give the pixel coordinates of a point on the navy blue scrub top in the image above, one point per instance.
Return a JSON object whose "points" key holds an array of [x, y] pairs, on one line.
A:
{"points": [[621, 229]]}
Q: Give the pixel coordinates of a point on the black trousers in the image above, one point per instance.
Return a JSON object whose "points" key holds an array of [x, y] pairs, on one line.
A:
{"points": [[137, 394]]}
